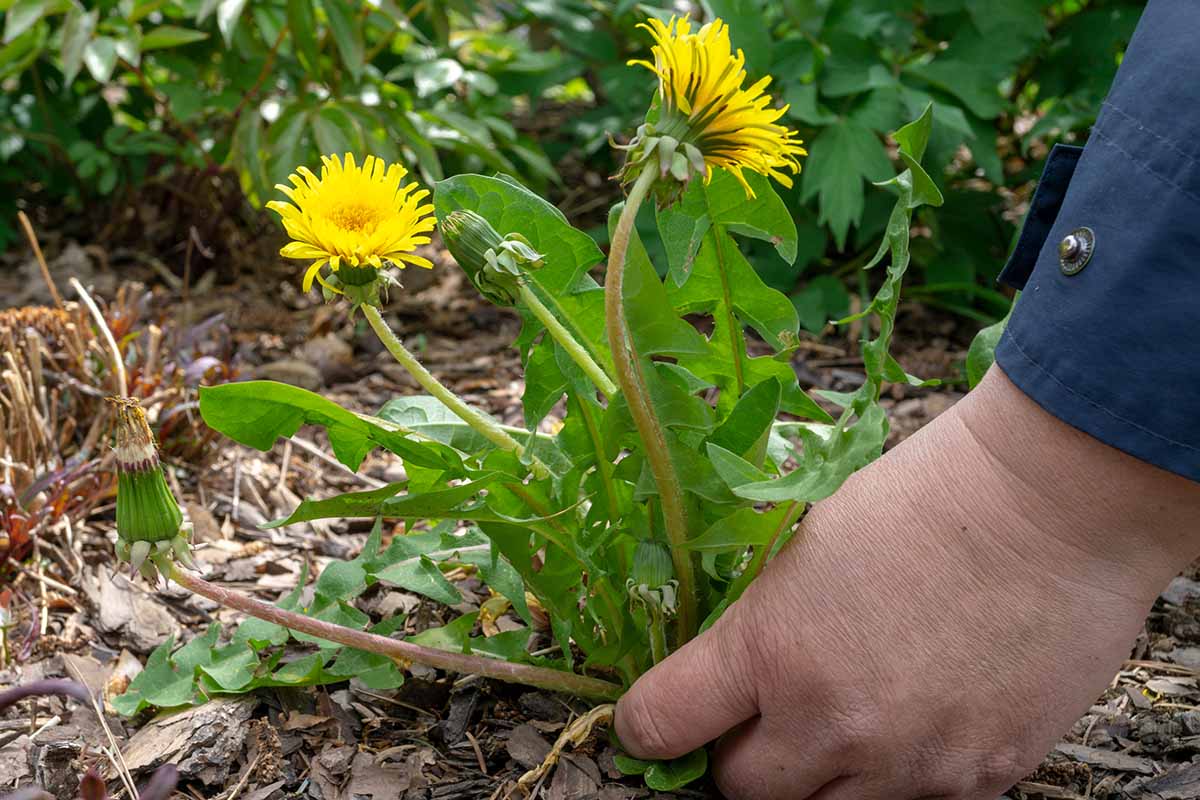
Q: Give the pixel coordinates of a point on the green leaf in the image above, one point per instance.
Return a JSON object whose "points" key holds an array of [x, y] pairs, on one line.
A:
{"points": [[455, 636], [982, 353], [23, 15], [749, 29], [745, 430], [984, 53], [421, 575], [287, 142], [257, 413], [630, 765], [100, 57], [853, 66], [373, 670], [245, 153], [22, 51], [205, 10], [718, 366], [508, 645], [653, 328], [385, 502], [77, 32], [544, 382], [337, 612], [301, 672], [823, 299], [428, 417], [346, 27], [841, 159], [723, 201], [336, 131], [825, 465], [229, 14], [673, 396], [743, 528], [563, 283], [913, 138], [303, 23], [260, 634], [341, 580], [433, 76], [734, 470], [804, 106], [168, 681], [724, 284], [499, 575], [667, 776], [232, 667], [696, 473], [170, 36]]}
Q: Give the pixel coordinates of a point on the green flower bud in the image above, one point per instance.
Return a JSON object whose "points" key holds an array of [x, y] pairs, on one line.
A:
{"points": [[651, 584], [495, 264], [652, 564], [149, 522]]}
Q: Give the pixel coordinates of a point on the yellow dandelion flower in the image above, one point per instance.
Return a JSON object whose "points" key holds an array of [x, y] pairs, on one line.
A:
{"points": [[354, 217], [703, 103]]}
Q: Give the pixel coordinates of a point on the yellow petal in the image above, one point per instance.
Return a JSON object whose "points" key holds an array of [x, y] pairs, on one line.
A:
{"points": [[313, 271], [301, 250], [414, 260]]}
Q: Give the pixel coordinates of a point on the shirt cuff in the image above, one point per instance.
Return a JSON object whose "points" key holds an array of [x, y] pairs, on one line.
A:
{"points": [[1113, 349]]}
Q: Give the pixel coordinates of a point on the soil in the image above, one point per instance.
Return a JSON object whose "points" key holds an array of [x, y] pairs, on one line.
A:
{"points": [[437, 736]]}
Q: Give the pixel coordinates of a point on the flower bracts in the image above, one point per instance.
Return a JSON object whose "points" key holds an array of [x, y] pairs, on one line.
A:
{"points": [[149, 522]]}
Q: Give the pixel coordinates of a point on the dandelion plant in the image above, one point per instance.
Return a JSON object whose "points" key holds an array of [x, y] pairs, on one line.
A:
{"points": [[679, 461]]}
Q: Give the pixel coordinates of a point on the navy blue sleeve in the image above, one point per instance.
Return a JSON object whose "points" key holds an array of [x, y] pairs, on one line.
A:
{"points": [[1105, 335]]}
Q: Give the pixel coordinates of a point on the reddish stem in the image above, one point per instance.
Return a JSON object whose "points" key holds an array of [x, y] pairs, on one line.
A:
{"points": [[401, 651]]}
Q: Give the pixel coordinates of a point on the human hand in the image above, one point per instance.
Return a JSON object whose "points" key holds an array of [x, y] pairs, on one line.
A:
{"points": [[933, 628]]}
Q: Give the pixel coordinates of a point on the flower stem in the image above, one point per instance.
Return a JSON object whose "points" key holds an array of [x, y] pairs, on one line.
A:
{"points": [[633, 385], [575, 350], [736, 346], [793, 515], [658, 637], [401, 651], [489, 428]]}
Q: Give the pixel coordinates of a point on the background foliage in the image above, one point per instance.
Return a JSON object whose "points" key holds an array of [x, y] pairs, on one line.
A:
{"points": [[105, 99]]}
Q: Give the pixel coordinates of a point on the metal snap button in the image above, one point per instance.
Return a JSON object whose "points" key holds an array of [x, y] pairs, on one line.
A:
{"points": [[1076, 250]]}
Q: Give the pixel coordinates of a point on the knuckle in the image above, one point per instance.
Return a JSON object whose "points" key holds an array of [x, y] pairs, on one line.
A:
{"points": [[736, 782], [963, 771], [858, 729], [997, 768]]}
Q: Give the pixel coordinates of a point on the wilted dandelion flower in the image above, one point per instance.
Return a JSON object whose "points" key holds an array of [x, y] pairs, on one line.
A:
{"points": [[353, 219], [705, 111]]}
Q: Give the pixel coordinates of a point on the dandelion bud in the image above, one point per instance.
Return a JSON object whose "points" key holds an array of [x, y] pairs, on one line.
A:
{"points": [[651, 583], [494, 263], [652, 564], [149, 521]]}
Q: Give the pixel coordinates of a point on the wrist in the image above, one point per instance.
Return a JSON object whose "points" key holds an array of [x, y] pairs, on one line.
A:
{"points": [[1078, 491]]}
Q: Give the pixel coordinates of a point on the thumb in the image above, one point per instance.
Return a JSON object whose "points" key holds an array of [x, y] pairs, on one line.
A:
{"points": [[691, 698]]}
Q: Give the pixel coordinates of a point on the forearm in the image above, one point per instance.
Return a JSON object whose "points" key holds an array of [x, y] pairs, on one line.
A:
{"points": [[997, 466], [1079, 490], [997, 478]]}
